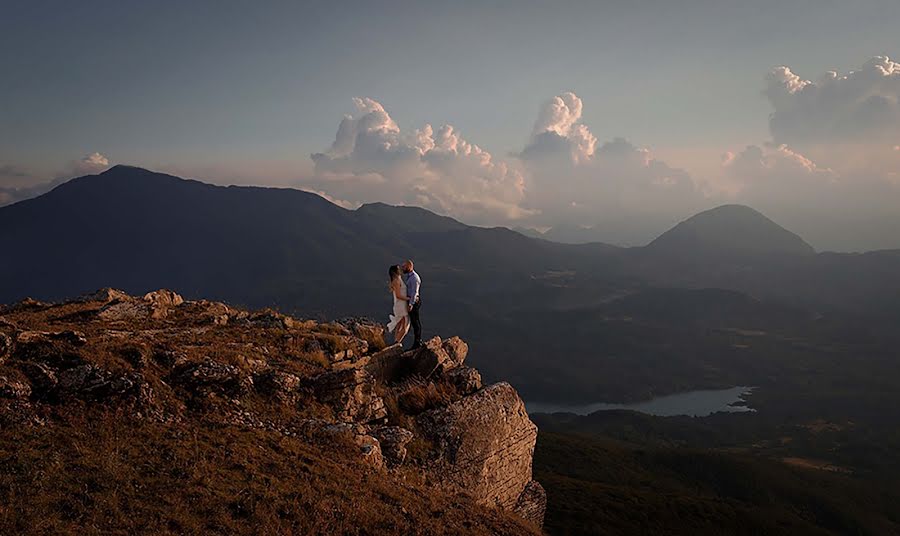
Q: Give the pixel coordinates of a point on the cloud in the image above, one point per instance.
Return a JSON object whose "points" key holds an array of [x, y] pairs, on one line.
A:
{"points": [[830, 171], [862, 106], [29, 186], [371, 159], [571, 179], [562, 176], [844, 157], [558, 130], [775, 166], [89, 164], [852, 210]]}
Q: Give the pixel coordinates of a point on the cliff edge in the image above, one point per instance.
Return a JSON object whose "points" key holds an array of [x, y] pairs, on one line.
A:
{"points": [[420, 421]]}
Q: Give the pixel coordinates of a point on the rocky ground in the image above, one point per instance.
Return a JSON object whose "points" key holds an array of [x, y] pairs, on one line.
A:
{"points": [[181, 391]]}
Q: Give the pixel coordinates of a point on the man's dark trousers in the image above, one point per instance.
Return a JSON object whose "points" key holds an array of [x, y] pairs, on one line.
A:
{"points": [[416, 323]]}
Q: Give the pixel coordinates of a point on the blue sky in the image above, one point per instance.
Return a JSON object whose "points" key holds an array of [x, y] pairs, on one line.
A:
{"points": [[246, 91]]}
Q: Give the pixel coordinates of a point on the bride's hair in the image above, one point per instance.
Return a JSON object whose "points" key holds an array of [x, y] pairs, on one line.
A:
{"points": [[393, 273]]}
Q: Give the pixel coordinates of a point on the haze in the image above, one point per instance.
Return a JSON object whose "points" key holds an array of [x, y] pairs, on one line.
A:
{"points": [[622, 116]]}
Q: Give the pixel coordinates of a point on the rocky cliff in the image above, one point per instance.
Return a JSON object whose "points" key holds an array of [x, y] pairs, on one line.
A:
{"points": [[419, 418]]}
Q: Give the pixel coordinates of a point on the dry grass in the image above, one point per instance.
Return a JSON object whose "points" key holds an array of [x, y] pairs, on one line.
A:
{"points": [[419, 396], [97, 468], [106, 473]]}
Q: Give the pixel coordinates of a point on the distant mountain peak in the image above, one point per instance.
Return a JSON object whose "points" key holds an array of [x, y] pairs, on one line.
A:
{"points": [[731, 229]]}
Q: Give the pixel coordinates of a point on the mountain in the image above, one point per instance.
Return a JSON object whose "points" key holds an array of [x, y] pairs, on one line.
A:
{"points": [[730, 230], [136, 229], [516, 299]]}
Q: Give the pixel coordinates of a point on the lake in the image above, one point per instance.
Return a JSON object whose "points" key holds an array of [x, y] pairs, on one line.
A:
{"points": [[692, 403]]}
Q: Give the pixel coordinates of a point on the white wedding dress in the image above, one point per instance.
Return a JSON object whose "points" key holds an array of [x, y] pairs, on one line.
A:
{"points": [[401, 311]]}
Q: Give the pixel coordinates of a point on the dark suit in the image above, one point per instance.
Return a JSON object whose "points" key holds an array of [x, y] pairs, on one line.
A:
{"points": [[413, 283]]}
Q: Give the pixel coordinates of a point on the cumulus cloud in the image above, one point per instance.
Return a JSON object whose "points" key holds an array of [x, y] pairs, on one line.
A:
{"points": [[832, 162], [773, 166], [91, 163], [371, 159], [571, 179], [862, 106], [562, 176], [558, 131], [830, 170]]}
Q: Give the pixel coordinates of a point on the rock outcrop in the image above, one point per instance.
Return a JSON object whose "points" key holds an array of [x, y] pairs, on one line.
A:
{"points": [[351, 393], [484, 444], [421, 412], [532, 503]]}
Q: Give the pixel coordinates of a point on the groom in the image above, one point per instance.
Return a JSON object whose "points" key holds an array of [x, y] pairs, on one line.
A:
{"points": [[413, 282]]}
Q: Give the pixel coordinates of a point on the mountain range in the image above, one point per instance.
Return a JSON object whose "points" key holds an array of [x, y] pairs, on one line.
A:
{"points": [[138, 230]]}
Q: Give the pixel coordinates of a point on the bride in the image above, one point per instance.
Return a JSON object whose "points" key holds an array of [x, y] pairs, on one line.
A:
{"points": [[399, 324]]}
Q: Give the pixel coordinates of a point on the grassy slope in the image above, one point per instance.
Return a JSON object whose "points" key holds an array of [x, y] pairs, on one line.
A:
{"points": [[94, 473], [597, 486]]}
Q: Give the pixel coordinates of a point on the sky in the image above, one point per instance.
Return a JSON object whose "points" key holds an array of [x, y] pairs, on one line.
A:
{"points": [[624, 115]]}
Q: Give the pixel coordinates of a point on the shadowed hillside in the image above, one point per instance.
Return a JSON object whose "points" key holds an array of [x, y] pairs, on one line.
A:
{"points": [[509, 294]]}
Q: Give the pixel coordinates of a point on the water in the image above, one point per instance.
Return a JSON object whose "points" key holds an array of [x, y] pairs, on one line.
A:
{"points": [[691, 403]]}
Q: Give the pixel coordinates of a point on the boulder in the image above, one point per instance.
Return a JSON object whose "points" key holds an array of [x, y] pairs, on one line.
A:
{"points": [[271, 319], [169, 358], [277, 384], [351, 393], [211, 377], [104, 295], [57, 349], [91, 382], [456, 349], [75, 338], [483, 444], [431, 359], [13, 389], [128, 310], [388, 365], [436, 357], [216, 313], [532, 503], [467, 380], [369, 446], [393, 440], [43, 378], [161, 301], [370, 449], [367, 330]]}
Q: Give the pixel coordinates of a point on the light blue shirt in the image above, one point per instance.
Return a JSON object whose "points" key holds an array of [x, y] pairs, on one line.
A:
{"points": [[413, 282]]}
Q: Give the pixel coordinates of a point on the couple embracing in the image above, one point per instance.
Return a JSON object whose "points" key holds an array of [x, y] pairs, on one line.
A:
{"points": [[404, 285]]}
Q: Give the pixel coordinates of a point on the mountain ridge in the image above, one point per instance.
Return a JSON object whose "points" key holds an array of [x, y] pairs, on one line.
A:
{"points": [[731, 229], [299, 253]]}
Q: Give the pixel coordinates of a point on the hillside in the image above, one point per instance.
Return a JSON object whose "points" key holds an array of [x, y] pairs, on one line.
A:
{"points": [[511, 295], [602, 486], [158, 415]]}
